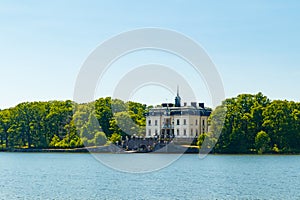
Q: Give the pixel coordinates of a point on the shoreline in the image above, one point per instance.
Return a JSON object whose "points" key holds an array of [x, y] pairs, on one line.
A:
{"points": [[116, 150], [102, 149]]}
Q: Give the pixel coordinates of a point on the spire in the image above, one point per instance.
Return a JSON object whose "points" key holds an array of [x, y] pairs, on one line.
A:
{"points": [[177, 98]]}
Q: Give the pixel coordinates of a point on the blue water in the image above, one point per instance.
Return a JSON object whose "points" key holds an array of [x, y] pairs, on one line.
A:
{"points": [[81, 176]]}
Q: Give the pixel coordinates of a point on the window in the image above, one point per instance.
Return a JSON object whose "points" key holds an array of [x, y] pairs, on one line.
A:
{"points": [[184, 122], [149, 132], [155, 122], [196, 122], [196, 132], [177, 132], [184, 132], [155, 131], [149, 122], [178, 122], [192, 132], [203, 122]]}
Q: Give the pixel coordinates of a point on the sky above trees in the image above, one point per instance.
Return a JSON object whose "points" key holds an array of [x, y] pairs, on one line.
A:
{"points": [[255, 46]]}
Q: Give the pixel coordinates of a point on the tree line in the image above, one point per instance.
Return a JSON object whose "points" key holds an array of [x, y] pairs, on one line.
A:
{"points": [[252, 124], [65, 124], [255, 124]]}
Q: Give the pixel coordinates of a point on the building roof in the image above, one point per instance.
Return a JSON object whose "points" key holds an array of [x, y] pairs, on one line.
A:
{"points": [[183, 110], [170, 109]]}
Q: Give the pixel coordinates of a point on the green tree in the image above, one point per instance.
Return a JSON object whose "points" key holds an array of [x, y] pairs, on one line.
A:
{"points": [[262, 142], [5, 124], [281, 122], [243, 119], [100, 138], [55, 141], [104, 114], [115, 138]]}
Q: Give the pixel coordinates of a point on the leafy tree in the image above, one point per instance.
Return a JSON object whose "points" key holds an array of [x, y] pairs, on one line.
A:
{"points": [[55, 141], [5, 124], [262, 142], [100, 138], [281, 122], [115, 137], [104, 114], [243, 119]]}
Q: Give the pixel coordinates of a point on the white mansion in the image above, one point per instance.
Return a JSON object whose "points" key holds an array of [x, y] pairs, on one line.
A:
{"points": [[174, 120]]}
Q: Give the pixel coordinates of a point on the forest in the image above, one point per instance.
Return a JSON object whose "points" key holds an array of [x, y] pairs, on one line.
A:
{"points": [[255, 124], [65, 124], [252, 124]]}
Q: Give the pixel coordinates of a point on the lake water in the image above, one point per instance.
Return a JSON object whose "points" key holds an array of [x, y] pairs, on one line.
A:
{"points": [[81, 176]]}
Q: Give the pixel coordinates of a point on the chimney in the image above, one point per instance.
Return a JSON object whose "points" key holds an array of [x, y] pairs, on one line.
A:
{"points": [[170, 105], [194, 104], [201, 105], [164, 105]]}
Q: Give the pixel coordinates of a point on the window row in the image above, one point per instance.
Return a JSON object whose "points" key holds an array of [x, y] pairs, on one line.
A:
{"points": [[149, 122], [184, 132], [149, 132], [177, 132], [177, 122]]}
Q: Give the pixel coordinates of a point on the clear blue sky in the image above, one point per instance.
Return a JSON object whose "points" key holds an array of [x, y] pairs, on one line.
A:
{"points": [[255, 45]]}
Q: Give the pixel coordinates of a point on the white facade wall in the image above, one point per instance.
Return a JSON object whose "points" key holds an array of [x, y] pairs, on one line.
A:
{"points": [[154, 127], [193, 126], [188, 126]]}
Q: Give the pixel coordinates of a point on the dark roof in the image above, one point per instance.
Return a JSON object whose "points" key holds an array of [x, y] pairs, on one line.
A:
{"points": [[186, 110]]}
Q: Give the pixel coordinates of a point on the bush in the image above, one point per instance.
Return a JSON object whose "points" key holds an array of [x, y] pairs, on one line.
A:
{"points": [[100, 138], [262, 142], [115, 138]]}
